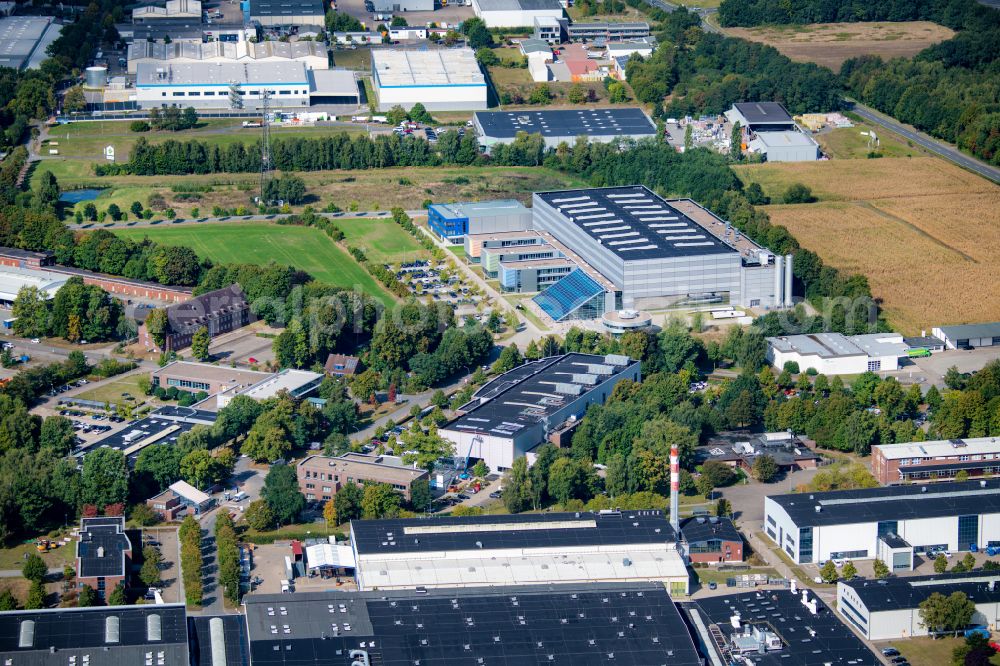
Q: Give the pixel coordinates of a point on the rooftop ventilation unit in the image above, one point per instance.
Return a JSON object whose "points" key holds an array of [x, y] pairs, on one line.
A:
{"points": [[26, 638], [153, 628], [620, 360], [568, 389], [112, 629], [586, 379], [599, 369]]}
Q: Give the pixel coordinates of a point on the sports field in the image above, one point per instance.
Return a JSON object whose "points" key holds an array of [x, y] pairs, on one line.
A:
{"points": [[305, 248], [830, 44], [925, 233], [383, 241]]}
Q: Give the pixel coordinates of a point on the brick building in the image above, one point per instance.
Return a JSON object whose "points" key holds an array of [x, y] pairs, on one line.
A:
{"points": [[712, 540], [15, 258], [341, 365], [938, 460], [167, 505], [321, 477], [103, 554], [212, 379], [220, 311]]}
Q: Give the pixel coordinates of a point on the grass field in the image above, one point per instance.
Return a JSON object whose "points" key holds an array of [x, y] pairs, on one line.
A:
{"points": [[830, 44], [305, 248], [382, 240], [922, 230], [930, 651], [111, 391], [848, 143], [517, 80]]}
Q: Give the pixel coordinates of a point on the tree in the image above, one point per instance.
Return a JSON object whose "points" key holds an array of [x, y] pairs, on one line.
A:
{"points": [[8, 601], [117, 596], [570, 479], [87, 597], [688, 138], [281, 492], [259, 515], [849, 571], [34, 568], [736, 142], [199, 344], [880, 569], [330, 512], [379, 500], [510, 358], [105, 477], [723, 508], [480, 469], [798, 193], [517, 487], [829, 572], [969, 561], [940, 563], [347, 503], [939, 613], [420, 495], [150, 572], [156, 326], [764, 469], [487, 57], [476, 33], [36, 596], [201, 469], [57, 435], [577, 95], [75, 101]]}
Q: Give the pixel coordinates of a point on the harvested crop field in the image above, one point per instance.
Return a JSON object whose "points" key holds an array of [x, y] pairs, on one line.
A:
{"points": [[926, 233], [830, 44]]}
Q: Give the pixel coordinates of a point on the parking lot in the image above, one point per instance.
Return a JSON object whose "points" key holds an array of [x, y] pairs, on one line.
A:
{"points": [[451, 15], [936, 365]]}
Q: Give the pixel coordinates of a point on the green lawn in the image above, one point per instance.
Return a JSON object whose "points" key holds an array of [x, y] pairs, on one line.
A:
{"points": [[383, 241], [457, 250], [713, 575], [111, 391], [306, 248], [930, 651]]}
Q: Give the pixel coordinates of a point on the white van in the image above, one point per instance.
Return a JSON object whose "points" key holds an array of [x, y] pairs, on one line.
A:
{"points": [[240, 496]]}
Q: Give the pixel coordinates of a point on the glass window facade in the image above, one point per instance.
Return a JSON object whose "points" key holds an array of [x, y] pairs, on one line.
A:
{"points": [[968, 531], [575, 296], [887, 527], [446, 227], [805, 544]]}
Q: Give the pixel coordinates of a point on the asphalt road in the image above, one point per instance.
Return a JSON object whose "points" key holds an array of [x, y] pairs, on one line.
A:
{"points": [[940, 148]]}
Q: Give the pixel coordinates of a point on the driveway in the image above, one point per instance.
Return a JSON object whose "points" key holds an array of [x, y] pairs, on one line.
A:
{"points": [[936, 365]]}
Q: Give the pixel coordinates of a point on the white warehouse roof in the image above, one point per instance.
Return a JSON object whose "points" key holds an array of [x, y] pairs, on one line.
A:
{"points": [[940, 447], [12, 280], [220, 73], [396, 68]]}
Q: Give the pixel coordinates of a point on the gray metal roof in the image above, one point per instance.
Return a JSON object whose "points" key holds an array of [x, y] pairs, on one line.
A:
{"points": [[838, 345], [900, 593], [568, 124], [965, 331], [764, 113], [519, 5]]}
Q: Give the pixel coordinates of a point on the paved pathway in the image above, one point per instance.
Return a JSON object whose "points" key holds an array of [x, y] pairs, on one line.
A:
{"points": [[945, 150]]}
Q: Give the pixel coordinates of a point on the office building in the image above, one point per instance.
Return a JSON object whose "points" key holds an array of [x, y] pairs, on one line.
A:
{"points": [[284, 13], [515, 412], [890, 608], [453, 221], [848, 524], [629, 48], [556, 127], [786, 146], [774, 628], [516, 13], [836, 353], [938, 460], [321, 477], [580, 624], [486, 249], [651, 253], [13, 280], [23, 40], [178, 499], [440, 79], [296, 383], [198, 377], [163, 426], [609, 32], [95, 636], [967, 336], [549, 29], [312, 54], [103, 554], [522, 549], [219, 311], [711, 540], [741, 450], [174, 9]]}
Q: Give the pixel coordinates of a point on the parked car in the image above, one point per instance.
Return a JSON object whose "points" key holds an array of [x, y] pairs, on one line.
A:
{"points": [[890, 652]]}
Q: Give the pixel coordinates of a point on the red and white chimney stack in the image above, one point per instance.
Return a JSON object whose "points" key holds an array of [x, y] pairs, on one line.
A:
{"points": [[675, 487]]}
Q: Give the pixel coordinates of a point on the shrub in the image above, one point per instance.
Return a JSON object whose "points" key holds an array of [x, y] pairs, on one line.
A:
{"points": [[139, 126]]}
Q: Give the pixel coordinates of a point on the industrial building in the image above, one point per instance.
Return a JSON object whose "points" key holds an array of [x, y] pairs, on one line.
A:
{"points": [[711, 540], [23, 40], [740, 450], [514, 412], [556, 127], [15, 258], [312, 54], [103, 554], [321, 477], [968, 336], [836, 353], [850, 524], [524, 549], [516, 13], [13, 280], [178, 499], [403, 5], [296, 383], [95, 636], [456, 220], [163, 426], [938, 460], [566, 624], [209, 85], [774, 628], [174, 9], [284, 13], [652, 253], [440, 79], [786, 146], [219, 311], [760, 117], [890, 608]]}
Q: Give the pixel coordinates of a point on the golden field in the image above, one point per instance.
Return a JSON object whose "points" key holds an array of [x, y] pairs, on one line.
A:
{"points": [[926, 233]]}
